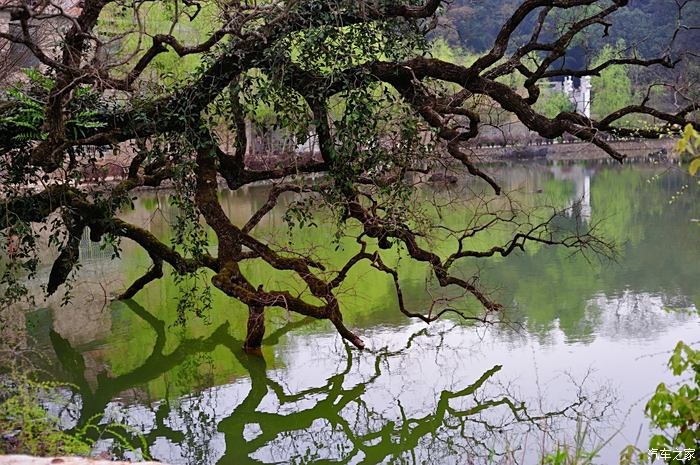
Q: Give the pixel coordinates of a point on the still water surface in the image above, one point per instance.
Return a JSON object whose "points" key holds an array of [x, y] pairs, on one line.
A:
{"points": [[587, 345]]}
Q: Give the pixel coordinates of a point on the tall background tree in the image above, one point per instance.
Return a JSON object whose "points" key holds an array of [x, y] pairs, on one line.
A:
{"points": [[613, 87], [162, 85]]}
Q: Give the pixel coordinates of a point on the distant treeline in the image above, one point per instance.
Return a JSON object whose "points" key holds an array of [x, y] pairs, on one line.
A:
{"points": [[649, 24]]}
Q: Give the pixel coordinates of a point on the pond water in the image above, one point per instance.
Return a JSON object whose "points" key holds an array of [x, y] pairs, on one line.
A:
{"points": [[587, 343]]}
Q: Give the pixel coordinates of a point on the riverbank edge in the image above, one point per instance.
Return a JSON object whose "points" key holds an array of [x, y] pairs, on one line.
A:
{"points": [[578, 151]]}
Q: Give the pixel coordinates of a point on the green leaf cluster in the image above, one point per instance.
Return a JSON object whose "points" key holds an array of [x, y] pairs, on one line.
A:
{"points": [[676, 410], [689, 147], [27, 427]]}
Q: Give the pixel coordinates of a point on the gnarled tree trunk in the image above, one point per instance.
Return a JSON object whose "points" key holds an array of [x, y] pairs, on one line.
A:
{"points": [[256, 328]]}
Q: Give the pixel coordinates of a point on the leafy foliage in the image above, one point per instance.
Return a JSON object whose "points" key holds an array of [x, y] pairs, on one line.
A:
{"points": [[689, 147], [27, 427], [675, 410]]}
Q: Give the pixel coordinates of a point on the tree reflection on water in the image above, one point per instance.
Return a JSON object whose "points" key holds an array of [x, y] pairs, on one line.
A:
{"points": [[257, 419]]}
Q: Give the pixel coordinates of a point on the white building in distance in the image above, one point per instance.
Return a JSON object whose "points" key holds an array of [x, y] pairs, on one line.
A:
{"points": [[579, 95]]}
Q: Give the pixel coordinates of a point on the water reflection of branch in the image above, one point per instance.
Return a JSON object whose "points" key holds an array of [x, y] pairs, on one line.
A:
{"points": [[154, 366], [346, 412], [341, 425]]}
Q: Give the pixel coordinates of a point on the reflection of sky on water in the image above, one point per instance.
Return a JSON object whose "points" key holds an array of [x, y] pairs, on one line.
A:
{"points": [[638, 317], [446, 357]]}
